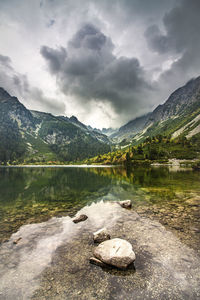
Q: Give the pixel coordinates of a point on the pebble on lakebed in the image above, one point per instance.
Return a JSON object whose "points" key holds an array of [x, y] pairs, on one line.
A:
{"points": [[125, 203], [115, 252], [80, 218], [101, 235]]}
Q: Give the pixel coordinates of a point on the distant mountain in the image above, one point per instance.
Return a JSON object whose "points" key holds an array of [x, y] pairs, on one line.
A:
{"points": [[129, 130], [109, 131], [105, 131], [179, 115], [91, 131], [32, 136]]}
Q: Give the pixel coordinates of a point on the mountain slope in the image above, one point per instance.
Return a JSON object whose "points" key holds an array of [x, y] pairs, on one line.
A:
{"points": [[178, 102], [128, 130], [179, 115], [36, 136]]}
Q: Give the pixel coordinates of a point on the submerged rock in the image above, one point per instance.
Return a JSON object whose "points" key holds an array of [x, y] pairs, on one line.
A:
{"points": [[125, 203], [116, 252], [101, 235], [80, 218]]}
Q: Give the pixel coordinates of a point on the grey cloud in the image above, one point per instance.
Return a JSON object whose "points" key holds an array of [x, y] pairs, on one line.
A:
{"points": [[17, 84], [51, 23], [156, 40], [181, 38], [89, 37], [46, 104], [12, 81], [182, 27], [54, 57], [91, 72], [5, 61]]}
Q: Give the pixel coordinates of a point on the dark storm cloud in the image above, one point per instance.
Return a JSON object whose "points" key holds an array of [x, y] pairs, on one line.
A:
{"points": [[54, 57], [181, 37], [90, 71], [156, 40], [89, 37], [182, 26]]}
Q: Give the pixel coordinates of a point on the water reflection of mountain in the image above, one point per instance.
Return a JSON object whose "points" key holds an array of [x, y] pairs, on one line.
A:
{"points": [[47, 183]]}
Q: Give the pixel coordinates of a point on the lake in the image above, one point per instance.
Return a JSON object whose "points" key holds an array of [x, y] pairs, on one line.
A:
{"points": [[50, 261]]}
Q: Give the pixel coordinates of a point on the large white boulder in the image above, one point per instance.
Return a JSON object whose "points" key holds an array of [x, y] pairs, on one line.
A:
{"points": [[116, 252]]}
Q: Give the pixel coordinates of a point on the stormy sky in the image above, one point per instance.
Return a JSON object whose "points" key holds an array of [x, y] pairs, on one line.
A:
{"points": [[106, 61]]}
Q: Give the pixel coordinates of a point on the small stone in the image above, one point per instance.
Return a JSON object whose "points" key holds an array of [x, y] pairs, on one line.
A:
{"points": [[101, 235], [17, 241], [125, 203], [177, 227], [193, 202], [97, 262], [197, 230], [116, 252], [80, 218]]}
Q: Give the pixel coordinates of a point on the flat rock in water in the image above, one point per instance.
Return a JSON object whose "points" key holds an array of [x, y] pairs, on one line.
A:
{"points": [[80, 218], [125, 203], [116, 252], [97, 262], [101, 235]]}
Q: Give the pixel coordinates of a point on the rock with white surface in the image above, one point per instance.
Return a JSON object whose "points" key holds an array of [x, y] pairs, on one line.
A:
{"points": [[116, 252]]}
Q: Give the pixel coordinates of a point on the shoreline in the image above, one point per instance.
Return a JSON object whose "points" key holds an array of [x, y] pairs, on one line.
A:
{"points": [[60, 166], [173, 162]]}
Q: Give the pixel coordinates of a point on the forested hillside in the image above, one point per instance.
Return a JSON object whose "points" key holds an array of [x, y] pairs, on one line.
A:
{"points": [[34, 137]]}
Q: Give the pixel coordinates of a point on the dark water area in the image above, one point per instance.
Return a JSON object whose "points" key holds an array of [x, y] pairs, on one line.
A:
{"points": [[51, 260]]}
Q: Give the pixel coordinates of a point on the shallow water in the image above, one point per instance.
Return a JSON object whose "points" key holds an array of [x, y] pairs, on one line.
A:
{"points": [[50, 261]]}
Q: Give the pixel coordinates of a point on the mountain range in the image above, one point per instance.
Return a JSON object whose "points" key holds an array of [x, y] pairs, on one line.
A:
{"points": [[31, 136]]}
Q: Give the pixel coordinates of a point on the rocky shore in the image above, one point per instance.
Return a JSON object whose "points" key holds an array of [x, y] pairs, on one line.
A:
{"points": [[51, 260]]}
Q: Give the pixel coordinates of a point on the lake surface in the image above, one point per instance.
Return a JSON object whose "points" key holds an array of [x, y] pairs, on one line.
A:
{"points": [[166, 204]]}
